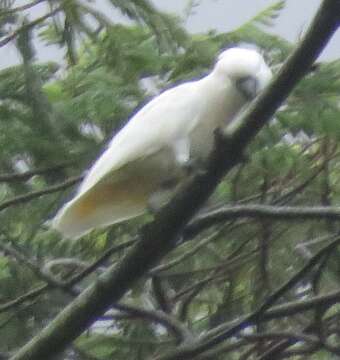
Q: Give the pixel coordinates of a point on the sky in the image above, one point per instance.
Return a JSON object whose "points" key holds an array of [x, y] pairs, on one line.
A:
{"points": [[225, 15], [220, 15]]}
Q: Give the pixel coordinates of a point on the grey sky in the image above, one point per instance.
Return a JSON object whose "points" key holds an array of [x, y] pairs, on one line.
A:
{"points": [[222, 15]]}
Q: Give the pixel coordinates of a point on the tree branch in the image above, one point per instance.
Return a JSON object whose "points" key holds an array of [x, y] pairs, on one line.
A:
{"points": [[160, 236], [267, 212], [21, 7], [180, 332], [281, 335], [35, 194], [29, 174], [29, 25], [187, 254], [29, 296]]}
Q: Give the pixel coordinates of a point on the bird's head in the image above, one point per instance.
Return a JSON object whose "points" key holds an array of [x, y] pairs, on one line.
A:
{"points": [[246, 69]]}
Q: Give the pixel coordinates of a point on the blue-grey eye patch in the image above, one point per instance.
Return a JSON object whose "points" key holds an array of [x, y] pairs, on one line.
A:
{"points": [[247, 86]]}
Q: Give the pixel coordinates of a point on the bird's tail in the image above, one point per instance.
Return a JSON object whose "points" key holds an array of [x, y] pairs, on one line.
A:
{"points": [[102, 206]]}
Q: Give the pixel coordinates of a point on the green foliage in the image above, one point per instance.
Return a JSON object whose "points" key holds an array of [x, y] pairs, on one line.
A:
{"points": [[266, 16]]}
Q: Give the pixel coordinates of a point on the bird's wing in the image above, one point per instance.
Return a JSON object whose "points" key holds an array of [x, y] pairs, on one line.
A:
{"points": [[163, 122]]}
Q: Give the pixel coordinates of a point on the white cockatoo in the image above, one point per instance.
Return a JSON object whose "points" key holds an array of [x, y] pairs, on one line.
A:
{"points": [[151, 153]]}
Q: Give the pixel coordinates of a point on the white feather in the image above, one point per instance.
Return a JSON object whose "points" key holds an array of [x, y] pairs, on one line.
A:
{"points": [[155, 144]]}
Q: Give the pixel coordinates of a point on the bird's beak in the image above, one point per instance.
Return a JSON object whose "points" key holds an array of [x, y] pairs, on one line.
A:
{"points": [[248, 87]]}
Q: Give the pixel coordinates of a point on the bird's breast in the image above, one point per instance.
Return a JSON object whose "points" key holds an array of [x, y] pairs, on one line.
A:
{"points": [[218, 108]]}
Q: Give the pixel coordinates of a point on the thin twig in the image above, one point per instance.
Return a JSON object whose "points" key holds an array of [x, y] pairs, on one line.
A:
{"points": [[29, 25], [20, 8], [202, 243], [171, 323], [28, 174], [21, 199], [30, 295], [97, 263]]}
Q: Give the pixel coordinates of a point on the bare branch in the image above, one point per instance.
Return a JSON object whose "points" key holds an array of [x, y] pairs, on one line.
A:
{"points": [[267, 212], [101, 260], [29, 174], [35, 194], [169, 322], [274, 335], [21, 7], [160, 294], [187, 254], [27, 26], [29, 296]]}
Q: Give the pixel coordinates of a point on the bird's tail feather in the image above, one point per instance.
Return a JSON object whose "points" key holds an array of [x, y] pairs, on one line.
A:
{"points": [[102, 206]]}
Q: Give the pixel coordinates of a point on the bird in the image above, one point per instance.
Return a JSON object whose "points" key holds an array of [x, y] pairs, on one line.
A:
{"points": [[151, 154]]}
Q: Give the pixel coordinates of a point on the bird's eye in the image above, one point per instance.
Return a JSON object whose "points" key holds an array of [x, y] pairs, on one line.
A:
{"points": [[247, 86]]}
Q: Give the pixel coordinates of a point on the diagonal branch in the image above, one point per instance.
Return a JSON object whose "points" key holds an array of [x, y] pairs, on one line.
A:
{"points": [[160, 236], [21, 7], [27, 26], [21, 199], [29, 296]]}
